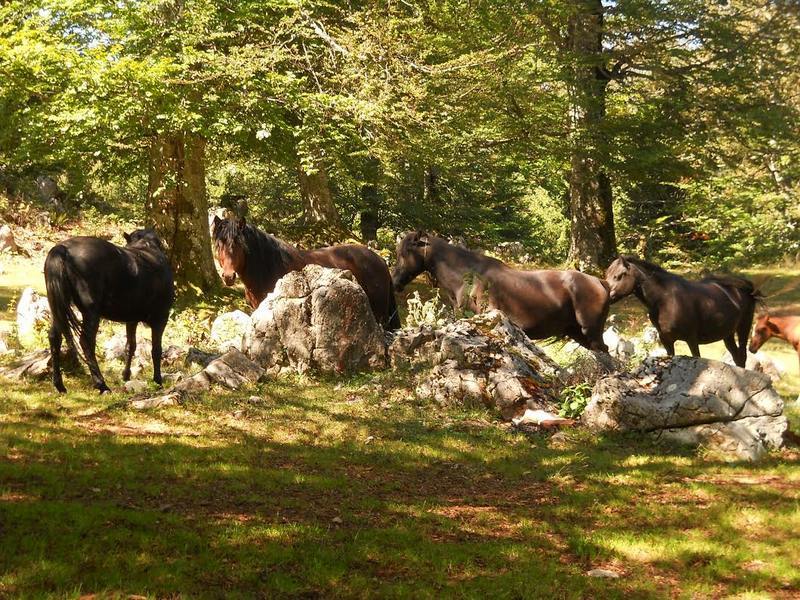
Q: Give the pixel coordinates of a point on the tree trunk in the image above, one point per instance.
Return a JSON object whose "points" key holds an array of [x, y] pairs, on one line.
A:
{"points": [[177, 207], [370, 200], [593, 242], [369, 214], [316, 193]]}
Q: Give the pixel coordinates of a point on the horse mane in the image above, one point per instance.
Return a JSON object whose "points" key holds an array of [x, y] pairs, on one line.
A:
{"points": [[650, 268], [261, 249], [474, 255]]}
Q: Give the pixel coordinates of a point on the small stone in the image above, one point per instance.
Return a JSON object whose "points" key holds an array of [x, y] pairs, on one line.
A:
{"points": [[337, 520], [170, 399], [135, 386], [369, 439], [603, 573]]}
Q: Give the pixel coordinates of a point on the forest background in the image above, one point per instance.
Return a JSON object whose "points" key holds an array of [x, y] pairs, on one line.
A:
{"points": [[578, 128]]}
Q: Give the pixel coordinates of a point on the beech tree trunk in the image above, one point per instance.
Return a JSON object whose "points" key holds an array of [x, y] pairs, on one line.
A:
{"points": [[370, 200], [593, 242], [316, 193], [177, 207]]}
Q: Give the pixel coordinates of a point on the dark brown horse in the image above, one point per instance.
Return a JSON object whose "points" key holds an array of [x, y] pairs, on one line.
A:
{"points": [[783, 327], [260, 259], [697, 312], [131, 285], [542, 303]]}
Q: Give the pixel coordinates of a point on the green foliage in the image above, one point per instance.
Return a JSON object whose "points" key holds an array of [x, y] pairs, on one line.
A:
{"points": [[431, 312], [456, 117], [574, 399]]}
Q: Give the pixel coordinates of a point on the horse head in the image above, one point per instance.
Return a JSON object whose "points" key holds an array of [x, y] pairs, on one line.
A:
{"points": [[764, 330], [229, 247], [412, 254], [144, 238], [621, 276]]}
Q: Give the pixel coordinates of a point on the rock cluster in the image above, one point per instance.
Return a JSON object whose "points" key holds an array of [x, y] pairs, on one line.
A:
{"points": [[484, 360], [695, 401]]}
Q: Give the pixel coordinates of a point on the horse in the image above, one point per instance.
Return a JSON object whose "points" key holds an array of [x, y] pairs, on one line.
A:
{"points": [[718, 307], [130, 285], [542, 303], [783, 327], [260, 259]]}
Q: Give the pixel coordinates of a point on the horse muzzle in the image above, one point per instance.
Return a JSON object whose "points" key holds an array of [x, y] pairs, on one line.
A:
{"points": [[229, 280]]}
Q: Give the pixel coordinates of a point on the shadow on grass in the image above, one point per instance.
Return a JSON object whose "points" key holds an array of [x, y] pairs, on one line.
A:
{"points": [[291, 499]]}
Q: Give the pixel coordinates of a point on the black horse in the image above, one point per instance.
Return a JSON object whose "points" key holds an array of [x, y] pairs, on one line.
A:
{"points": [[718, 307], [543, 303], [131, 285], [261, 259]]}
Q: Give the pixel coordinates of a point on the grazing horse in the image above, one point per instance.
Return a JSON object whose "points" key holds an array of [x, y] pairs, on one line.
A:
{"points": [[261, 259], [542, 303], [698, 312], [784, 327], [130, 285]]}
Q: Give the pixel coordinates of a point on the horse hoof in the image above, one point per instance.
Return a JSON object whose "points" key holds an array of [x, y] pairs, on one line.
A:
{"points": [[61, 389]]}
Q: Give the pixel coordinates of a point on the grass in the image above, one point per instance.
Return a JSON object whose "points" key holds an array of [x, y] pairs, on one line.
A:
{"points": [[348, 488], [353, 488]]}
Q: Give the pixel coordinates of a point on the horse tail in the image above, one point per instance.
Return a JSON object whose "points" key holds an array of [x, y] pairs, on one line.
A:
{"points": [[393, 323], [58, 274]]}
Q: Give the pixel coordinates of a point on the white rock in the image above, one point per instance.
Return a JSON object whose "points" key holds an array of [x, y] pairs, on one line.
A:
{"points": [[7, 241], [603, 573], [227, 330], [535, 417], [695, 401], [135, 386], [650, 335], [319, 319], [33, 314]]}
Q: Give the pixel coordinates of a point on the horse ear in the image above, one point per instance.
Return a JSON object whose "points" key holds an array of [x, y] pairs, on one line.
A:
{"points": [[217, 220], [771, 325], [623, 261], [127, 237]]}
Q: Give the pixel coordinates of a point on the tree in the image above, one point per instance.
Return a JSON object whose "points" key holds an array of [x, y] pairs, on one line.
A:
{"points": [[177, 208], [593, 243]]}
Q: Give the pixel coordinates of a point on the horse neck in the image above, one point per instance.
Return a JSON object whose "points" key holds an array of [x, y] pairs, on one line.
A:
{"points": [[261, 281], [788, 328], [448, 264], [650, 288]]}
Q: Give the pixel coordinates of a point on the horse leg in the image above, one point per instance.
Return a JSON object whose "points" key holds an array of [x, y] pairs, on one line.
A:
{"points": [[130, 330], [694, 347], [745, 325], [669, 345], [736, 354], [88, 339], [55, 358], [157, 330]]}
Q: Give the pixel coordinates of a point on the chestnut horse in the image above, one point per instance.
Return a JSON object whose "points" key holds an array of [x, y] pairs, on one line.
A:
{"points": [[132, 284], [542, 303], [698, 312], [260, 259], [783, 327]]}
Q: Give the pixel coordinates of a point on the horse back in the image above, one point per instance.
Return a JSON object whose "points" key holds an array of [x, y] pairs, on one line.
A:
{"points": [[123, 284], [369, 270], [548, 302]]}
